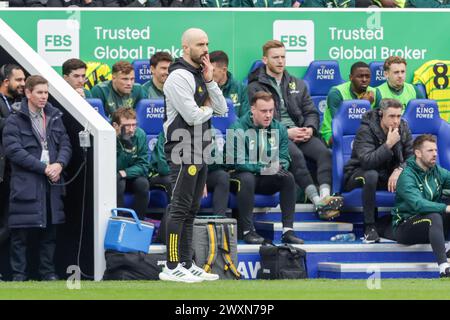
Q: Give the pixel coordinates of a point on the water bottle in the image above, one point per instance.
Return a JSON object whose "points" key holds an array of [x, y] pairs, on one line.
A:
{"points": [[344, 237]]}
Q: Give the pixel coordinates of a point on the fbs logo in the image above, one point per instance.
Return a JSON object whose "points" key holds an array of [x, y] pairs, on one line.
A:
{"points": [[58, 40], [298, 38]]}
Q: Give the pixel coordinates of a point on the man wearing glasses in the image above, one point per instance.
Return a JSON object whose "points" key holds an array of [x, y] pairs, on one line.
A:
{"points": [[132, 160]]}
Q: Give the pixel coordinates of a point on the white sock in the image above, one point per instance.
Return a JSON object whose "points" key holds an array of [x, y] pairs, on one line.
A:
{"points": [[316, 200], [324, 190], [311, 193], [447, 246], [287, 229], [443, 266]]}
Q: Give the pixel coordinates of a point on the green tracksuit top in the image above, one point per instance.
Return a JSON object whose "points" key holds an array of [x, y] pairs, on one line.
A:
{"points": [[158, 162], [419, 192], [150, 91], [236, 91], [112, 100], [87, 93], [263, 142], [135, 161]]}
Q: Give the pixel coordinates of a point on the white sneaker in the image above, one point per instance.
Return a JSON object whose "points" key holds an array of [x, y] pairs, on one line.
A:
{"points": [[199, 272], [179, 274]]}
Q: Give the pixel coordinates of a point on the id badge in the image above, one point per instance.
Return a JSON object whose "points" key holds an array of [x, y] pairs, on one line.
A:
{"points": [[45, 157]]}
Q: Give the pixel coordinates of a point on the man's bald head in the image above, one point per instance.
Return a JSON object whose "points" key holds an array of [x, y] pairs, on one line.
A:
{"points": [[191, 35], [195, 46]]}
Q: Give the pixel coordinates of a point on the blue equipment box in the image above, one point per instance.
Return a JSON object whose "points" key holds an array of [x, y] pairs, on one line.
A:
{"points": [[128, 234]]}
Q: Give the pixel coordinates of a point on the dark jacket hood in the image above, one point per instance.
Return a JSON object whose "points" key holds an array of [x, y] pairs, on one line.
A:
{"points": [[180, 63]]}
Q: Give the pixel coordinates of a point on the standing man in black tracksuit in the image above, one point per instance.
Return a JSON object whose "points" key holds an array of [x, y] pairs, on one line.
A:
{"points": [[192, 97], [295, 109]]}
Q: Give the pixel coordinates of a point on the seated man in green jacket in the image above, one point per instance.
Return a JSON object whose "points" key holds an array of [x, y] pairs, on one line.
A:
{"points": [[419, 214], [231, 88], [357, 88], [121, 91], [159, 68], [257, 153], [132, 160]]}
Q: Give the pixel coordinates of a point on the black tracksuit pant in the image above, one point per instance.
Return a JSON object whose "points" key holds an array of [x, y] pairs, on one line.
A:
{"points": [[188, 182], [247, 184], [315, 150], [219, 182], [139, 187], [430, 228], [370, 182], [161, 182]]}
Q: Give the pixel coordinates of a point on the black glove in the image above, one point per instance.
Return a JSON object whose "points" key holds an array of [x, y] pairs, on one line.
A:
{"points": [[125, 139]]}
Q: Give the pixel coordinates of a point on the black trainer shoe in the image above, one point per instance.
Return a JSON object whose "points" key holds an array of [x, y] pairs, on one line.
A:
{"points": [[290, 237], [371, 235], [50, 277], [19, 278], [445, 274], [253, 238]]}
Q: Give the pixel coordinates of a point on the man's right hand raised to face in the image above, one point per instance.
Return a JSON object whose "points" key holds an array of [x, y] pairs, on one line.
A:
{"points": [[393, 137], [207, 68]]}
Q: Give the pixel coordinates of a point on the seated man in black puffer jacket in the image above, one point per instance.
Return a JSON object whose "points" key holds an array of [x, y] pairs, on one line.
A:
{"points": [[380, 149]]}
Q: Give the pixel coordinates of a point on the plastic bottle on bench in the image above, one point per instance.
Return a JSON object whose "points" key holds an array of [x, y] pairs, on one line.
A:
{"points": [[346, 237]]}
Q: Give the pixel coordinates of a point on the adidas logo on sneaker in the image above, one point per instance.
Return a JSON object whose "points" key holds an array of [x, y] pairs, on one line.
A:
{"points": [[179, 274], [199, 272]]}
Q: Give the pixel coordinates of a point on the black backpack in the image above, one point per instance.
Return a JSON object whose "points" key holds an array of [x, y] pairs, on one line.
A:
{"points": [[133, 265], [282, 262]]}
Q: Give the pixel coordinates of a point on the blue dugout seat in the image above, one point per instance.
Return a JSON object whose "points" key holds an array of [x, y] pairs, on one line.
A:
{"points": [[377, 73], [97, 104], [255, 65], [320, 77], [141, 71], [423, 117]]}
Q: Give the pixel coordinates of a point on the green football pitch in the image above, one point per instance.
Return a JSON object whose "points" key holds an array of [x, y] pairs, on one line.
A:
{"points": [[389, 289]]}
